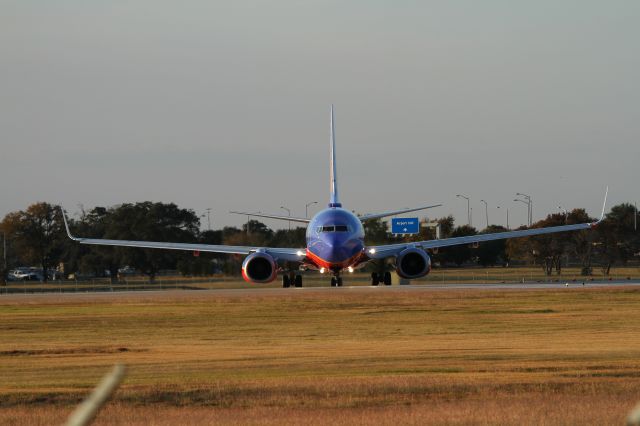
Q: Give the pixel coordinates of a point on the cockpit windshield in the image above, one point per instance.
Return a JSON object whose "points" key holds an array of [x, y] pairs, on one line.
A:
{"points": [[333, 228]]}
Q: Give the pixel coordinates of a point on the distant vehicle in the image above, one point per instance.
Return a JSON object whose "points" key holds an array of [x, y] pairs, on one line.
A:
{"points": [[25, 275], [127, 270], [335, 242]]}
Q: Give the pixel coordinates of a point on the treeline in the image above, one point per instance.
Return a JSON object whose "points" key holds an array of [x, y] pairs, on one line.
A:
{"points": [[36, 237]]}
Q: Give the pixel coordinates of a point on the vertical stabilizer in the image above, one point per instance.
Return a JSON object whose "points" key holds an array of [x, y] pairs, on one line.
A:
{"points": [[334, 201]]}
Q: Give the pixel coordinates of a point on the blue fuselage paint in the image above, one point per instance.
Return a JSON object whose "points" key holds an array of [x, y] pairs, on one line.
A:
{"points": [[335, 250]]}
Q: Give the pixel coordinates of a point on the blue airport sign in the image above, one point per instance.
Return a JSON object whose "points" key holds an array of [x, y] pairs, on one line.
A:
{"points": [[405, 225]]}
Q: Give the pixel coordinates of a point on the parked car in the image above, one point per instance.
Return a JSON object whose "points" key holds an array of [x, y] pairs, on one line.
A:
{"points": [[127, 270], [25, 275]]}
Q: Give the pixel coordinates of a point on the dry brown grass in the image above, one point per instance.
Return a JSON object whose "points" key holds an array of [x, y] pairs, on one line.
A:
{"points": [[349, 356]]}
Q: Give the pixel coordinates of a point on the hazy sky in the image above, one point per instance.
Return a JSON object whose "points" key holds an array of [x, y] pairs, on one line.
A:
{"points": [[225, 104]]}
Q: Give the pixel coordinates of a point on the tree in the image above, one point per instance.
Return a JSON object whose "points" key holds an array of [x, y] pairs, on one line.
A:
{"points": [[37, 234], [375, 231], [4, 256], [492, 252], [446, 226], [148, 221], [547, 250], [206, 263], [95, 259], [581, 242], [617, 240], [461, 253]]}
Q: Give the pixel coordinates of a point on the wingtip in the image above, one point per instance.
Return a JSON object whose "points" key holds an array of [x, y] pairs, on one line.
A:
{"points": [[66, 223], [604, 207], [604, 204]]}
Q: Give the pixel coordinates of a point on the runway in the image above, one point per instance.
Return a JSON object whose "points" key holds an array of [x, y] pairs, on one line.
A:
{"points": [[271, 291]]}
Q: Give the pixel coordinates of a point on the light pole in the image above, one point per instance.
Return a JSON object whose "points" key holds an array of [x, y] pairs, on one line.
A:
{"points": [[4, 251], [635, 217], [564, 212], [530, 205], [507, 209], [208, 210], [306, 209], [288, 214], [468, 207], [486, 211], [523, 201]]}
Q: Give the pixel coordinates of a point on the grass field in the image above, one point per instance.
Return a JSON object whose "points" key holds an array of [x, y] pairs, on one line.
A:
{"points": [[346, 356]]}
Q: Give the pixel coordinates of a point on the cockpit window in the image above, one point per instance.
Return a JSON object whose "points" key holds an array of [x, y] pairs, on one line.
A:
{"points": [[333, 228]]}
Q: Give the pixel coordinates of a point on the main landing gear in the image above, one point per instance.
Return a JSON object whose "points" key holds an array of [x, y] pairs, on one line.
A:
{"points": [[336, 281], [291, 279], [384, 278]]}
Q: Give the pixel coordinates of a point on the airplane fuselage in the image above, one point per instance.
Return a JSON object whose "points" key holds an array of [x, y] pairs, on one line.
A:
{"points": [[335, 239]]}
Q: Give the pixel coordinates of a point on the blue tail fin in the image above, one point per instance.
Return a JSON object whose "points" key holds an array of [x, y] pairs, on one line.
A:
{"points": [[334, 201]]}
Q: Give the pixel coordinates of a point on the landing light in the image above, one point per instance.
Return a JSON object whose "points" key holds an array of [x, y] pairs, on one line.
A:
{"points": [[350, 269], [372, 251], [322, 270], [300, 253]]}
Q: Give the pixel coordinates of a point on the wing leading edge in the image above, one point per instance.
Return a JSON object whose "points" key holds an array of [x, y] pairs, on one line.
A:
{"points": [[288, 254], [381, 252]]}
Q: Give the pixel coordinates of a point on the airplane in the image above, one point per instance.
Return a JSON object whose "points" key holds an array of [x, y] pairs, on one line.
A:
{"points": [[335, 242]]}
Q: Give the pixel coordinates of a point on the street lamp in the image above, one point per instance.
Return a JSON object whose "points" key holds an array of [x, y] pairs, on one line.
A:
{"points": [[530, 206], [4, 252], [486, 211], [306, 209], [288, 214], [564, 212], [208, 210], [523, 201], [507, 216], [468, 207]]}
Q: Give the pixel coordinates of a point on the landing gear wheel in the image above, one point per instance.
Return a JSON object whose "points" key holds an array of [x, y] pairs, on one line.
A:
{"points": [[387, 278], [375, 280], [298, 281], [285, 281], [334, 282], [339, 281]]}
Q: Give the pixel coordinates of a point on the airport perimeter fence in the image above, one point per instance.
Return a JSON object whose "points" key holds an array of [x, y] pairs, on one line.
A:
{"points": [[136, 283], [516, 275]]}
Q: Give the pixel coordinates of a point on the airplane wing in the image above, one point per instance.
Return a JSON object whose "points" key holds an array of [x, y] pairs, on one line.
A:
{"points": [[275, 216], [381, 252], [287, 254], [391, 213]]}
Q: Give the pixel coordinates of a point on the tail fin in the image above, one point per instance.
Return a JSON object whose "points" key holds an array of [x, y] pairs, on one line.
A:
{"points": [[334, 201]]}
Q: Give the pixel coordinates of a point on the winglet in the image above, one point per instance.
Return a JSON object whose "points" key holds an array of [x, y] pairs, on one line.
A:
{"points": [[604, 206], [66, 224]]}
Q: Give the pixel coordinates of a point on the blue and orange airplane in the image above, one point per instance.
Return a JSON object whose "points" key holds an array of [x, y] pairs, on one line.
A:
{"points": [[335, 243]]}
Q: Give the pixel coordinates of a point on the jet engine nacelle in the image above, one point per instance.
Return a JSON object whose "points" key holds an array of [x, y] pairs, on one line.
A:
{"points": [[259, 268], [413, 263]]}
